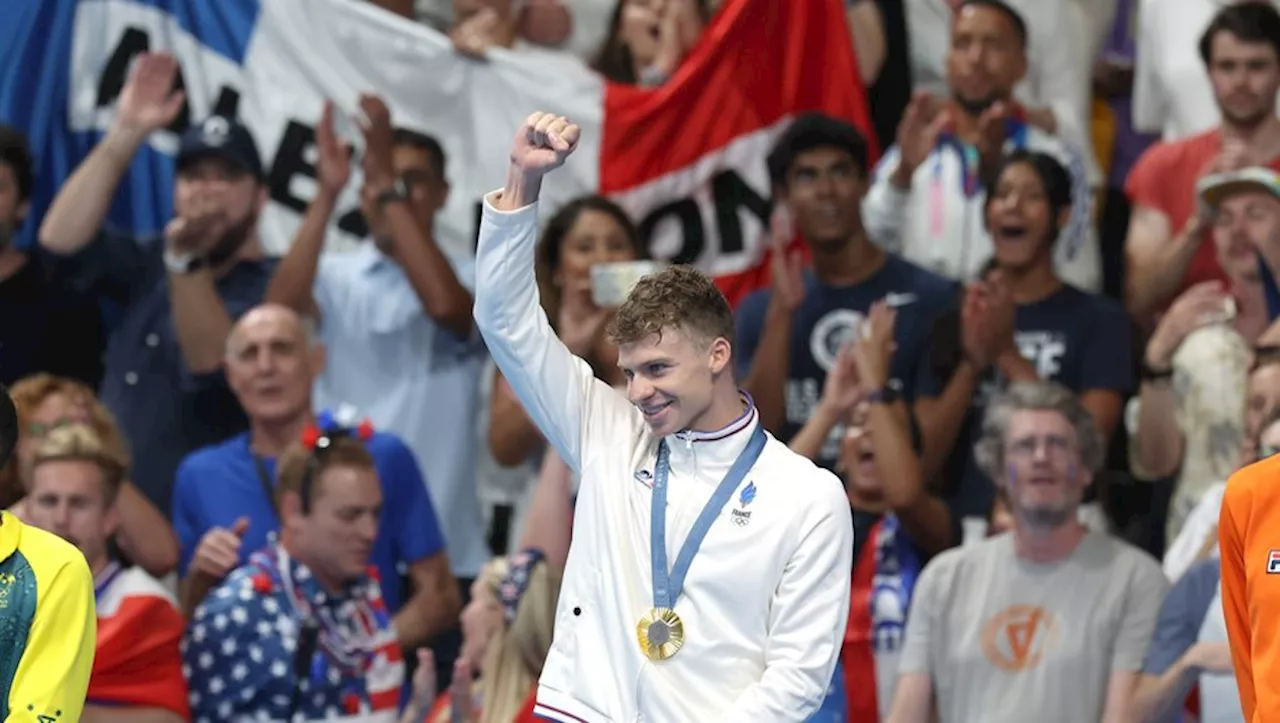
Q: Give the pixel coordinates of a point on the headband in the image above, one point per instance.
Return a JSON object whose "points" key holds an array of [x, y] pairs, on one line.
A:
{"points": [[514, 584], [318, 438]]}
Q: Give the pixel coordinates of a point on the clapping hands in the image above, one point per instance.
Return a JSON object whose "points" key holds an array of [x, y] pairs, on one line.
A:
{"points": [[862, 366]]}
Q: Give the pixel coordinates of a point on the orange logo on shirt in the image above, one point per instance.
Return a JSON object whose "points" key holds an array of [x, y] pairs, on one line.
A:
{"points": [[1016, 638]]}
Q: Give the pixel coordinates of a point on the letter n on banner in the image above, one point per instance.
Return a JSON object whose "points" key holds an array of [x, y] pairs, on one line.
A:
{"points": [[700, 141]]}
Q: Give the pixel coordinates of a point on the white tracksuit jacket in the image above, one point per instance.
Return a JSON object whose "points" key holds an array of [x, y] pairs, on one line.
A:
{"points": [[765, 603]]}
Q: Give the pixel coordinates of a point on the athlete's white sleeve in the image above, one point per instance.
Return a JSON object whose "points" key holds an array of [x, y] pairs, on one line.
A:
{"points": [[809, 614], [574, 410]]}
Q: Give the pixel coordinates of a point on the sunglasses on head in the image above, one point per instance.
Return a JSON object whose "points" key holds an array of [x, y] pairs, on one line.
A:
{"points": [[40, 429]]}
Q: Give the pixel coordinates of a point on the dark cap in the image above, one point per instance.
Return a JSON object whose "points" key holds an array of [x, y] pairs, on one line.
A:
{"points": [[221, 137]]}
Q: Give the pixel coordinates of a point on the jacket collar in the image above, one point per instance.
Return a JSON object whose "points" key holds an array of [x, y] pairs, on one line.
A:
{"points": [[716, 448]]}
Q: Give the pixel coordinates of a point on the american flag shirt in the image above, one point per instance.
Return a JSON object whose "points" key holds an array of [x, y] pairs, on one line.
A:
{"points": [[240, 652]]}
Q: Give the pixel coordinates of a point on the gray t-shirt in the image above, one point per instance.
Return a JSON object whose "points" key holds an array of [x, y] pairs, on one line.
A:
{"points": [[1005, 640]]}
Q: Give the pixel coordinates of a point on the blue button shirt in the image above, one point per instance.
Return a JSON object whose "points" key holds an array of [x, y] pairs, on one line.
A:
{"points": [[386, 356], [219, 484], [164, 410]]}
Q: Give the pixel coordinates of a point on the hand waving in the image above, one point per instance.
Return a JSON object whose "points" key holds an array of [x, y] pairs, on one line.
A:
{"points": [[333, 167], [543, 143], [148, 101]]}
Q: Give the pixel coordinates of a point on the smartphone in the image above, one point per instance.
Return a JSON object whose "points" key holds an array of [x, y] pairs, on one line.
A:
{"points": [[612, 282]]}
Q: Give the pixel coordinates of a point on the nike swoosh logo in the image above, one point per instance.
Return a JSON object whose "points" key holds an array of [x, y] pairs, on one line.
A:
{"points": [[896, 300], [644, 477]]}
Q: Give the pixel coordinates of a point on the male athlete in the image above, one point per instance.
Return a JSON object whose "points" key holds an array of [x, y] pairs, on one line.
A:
{"points": [[708, 578], [48, 621]]}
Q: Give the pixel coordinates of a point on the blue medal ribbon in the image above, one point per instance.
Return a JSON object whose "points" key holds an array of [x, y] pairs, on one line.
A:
{"points": [[667, 587]]}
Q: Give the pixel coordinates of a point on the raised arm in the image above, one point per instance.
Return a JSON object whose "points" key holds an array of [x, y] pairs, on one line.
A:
{"points": [[558, 390], [444, 299], [295, 277], [147, 103]]}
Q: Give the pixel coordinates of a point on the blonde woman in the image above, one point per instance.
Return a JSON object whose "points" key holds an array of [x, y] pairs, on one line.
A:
{"points": [[46, 402], [507, 626]]}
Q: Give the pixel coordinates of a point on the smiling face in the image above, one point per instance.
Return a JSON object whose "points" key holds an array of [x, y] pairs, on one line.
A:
{"points": [[823, 191], [1021, 220], [670, 377]]}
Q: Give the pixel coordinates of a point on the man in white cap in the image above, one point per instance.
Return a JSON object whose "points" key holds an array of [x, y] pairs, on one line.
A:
{"points": [[1251, 197]]}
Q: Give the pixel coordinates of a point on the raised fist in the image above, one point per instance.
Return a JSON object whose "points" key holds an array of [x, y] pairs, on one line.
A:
{"points": [[543, 143]]}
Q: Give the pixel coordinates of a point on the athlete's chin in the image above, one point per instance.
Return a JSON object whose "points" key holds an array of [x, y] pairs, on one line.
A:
{"points": [[664, 421]]}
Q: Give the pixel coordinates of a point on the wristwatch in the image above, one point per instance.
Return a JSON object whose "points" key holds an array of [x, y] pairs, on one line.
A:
{"points": [[888, 394], [399, 191], [182, 263], [1149, 373]]}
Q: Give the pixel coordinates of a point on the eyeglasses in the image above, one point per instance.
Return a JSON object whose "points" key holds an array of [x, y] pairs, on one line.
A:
{"points": [[1055, 446]]}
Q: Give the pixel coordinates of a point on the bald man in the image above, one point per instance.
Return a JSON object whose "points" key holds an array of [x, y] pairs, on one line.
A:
{"points": [[223, 495]]}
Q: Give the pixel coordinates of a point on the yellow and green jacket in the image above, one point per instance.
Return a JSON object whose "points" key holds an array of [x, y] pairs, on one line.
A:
{"points": [[48, 626]]}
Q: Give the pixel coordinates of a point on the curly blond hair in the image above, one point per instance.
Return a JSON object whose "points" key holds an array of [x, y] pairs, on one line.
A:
{"points": [[28, 394], [677, 297]]}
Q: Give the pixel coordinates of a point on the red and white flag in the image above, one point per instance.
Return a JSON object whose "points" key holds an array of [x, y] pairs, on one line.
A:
{"points": [[687, 160], [137, 661]]}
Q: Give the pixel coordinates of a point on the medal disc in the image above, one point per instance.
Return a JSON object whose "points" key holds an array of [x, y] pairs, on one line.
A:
{"points": [[660, 633]]}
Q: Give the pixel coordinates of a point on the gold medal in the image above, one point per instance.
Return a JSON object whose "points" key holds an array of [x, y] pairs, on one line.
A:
{"points": [[661, 633]]}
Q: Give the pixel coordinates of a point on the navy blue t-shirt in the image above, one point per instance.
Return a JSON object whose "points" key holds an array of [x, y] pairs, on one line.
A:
{"points": [[218, 484], [1079, 340], [829, 317]]}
